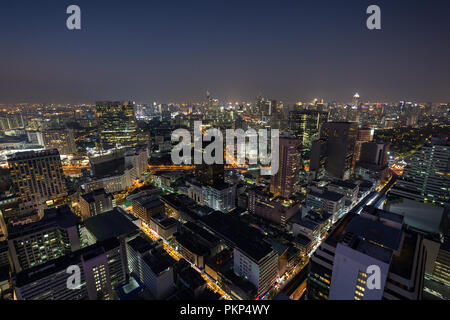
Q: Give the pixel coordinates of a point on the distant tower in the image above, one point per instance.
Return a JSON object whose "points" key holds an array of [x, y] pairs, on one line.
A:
{"points": [[356, 99]]}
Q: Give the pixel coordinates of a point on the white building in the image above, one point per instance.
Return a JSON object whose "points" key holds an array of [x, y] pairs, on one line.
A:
{"points": [[376, 239], [328, 201], [151, 265], [258, 263], [220, 196]]}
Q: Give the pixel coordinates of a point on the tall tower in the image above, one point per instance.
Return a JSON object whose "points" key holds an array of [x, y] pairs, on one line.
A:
{"points": [[356, 99], [364, 135], [340, 139], [282, 183], [117, 124]]}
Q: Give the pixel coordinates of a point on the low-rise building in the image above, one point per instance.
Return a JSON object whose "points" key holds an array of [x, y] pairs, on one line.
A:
{"points": [[327, 201], [347, 188], [147, 206]]}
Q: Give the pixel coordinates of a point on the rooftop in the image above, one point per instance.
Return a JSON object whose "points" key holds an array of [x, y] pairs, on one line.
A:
{"points": [[60, 217], [192, 278], [375, 231], [325, 194], [158, 261], [90, 197], [344, 183], [237, 233], [192, 244], [201, 232], [149, 201], [141, 244], [110, 224]]}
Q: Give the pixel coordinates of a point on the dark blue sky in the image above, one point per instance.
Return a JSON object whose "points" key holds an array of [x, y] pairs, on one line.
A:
{"points": [[176, 50]]}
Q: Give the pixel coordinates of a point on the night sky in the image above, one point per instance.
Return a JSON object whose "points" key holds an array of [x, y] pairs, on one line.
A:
{"points": [[176, 50]]}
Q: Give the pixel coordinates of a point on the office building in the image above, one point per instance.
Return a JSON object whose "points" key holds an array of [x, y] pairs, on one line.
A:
{"points": [[147, 206], [375, 154], [282, 183], [219, 196], [163, 226], [257, 263], [107, 164], [117, 124], [364, 135], [348, 188], [305, 125], [269, 207], [337, 149], [138, 160]]}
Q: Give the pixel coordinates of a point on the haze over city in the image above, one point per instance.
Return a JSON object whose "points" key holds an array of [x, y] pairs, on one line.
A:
{"points": [[174, 51]]}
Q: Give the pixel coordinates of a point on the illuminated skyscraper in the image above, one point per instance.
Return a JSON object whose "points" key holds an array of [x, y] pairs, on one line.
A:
{"points": [[356, 99], [282, 183], [305, 125], [117, 124]]}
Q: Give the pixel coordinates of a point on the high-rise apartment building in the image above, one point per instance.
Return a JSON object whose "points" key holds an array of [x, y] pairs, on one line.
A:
{"points": [[56, 234], [37, 177], [282, 183], [117, 124], [427, 177]]}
